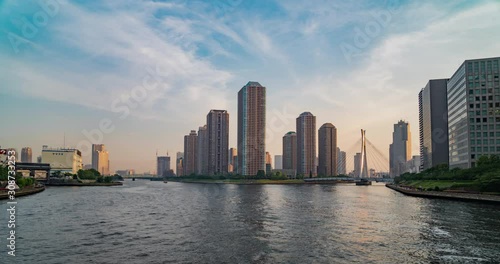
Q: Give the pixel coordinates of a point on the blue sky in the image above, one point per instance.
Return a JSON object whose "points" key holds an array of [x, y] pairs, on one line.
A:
{"points": [[68, 65]]}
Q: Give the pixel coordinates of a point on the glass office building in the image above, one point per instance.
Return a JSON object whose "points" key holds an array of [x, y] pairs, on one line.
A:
{"points": [[474, 112]]}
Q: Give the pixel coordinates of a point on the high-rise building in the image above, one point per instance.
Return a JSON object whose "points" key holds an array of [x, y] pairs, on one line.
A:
{"points": [[341, 162], [202, 151], [473, 94], [162, 166], [63, 160], [251, 129], [327, 150], [278, 162], [306, 144], [400, 149], [190, 153], [100, 159], [433, 124], [26, 155], [178, 164], [232, 160], [290, 151], [357, 164], [218, 141]]}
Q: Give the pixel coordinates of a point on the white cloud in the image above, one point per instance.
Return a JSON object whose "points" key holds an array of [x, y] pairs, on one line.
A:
{"points": [[385, 88]]}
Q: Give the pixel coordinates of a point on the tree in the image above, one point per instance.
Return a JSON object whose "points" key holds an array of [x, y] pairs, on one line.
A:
{"points": [[261, 174], [4, 171]]}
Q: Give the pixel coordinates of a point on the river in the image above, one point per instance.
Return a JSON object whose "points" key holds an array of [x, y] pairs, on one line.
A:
{"points": [[154, 222]]}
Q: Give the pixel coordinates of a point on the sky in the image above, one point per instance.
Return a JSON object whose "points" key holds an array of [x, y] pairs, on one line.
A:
{"points": [[139, 75]]}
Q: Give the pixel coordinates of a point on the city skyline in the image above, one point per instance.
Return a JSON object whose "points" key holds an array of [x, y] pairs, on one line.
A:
{"points": [[209, 73]]}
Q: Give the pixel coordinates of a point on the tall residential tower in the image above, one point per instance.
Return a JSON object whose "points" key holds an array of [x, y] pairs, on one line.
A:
{"points": [[251, 129], [290, 151], [218, 141], [327, 150], [190, 153], [306, 144]]}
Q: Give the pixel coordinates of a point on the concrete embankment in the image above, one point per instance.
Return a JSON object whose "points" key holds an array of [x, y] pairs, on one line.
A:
{"points": [[84, 184], [24, 192], [249, 182], [484, 198]]}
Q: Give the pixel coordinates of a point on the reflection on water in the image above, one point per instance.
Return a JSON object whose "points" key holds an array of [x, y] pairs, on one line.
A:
{"points": [[153, 222]]}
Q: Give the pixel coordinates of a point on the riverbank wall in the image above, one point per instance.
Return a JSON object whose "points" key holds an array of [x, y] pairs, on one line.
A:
{"points": [[469, 197], [81, 184], [23, 192]]}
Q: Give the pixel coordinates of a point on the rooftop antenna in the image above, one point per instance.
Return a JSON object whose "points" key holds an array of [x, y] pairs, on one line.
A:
{"points": [[64, 140], [157, 152]]}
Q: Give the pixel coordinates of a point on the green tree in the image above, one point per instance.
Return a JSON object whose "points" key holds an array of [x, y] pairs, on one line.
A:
{"points": [[4, 171], [261, 174]]}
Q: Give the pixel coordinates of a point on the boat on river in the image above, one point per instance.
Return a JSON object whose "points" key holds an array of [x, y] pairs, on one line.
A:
{"points": [[363, 182]]}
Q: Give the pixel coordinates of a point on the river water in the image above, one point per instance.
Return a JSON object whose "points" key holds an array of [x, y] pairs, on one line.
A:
{"points": [[154, 222]]}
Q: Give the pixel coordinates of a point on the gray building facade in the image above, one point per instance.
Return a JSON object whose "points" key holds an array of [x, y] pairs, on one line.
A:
{"points": [[433, 124]]}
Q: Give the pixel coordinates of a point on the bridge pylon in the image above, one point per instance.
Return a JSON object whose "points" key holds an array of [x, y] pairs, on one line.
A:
{"points": [[363, 173]]}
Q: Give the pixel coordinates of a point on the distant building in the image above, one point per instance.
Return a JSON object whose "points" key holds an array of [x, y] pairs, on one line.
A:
{"points": [[232, 160], [473, 94], [413, 165], [162, 166], [26, 155], [178, 164], [400, 149], [218, 141], [251, 129], [39, 159], [190, 153], [433, 124], [341, 162], [87, 166], [128, 172], [290, 151], [269, 161], [306, 144], [202, 151], [327, 150], [357, 164], [278, 162], [63, 160], [100, 159]]}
